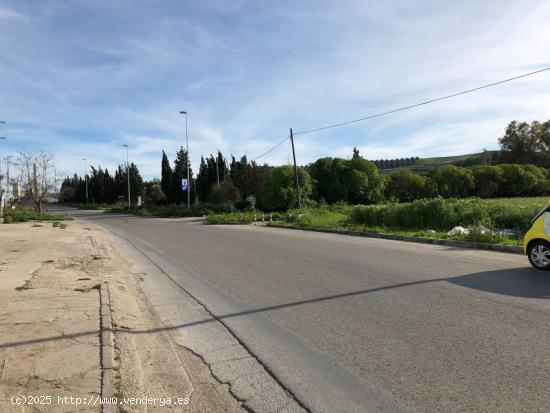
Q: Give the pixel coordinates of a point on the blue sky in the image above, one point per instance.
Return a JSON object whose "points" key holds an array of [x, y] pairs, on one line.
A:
{"points": [[82, 78]]}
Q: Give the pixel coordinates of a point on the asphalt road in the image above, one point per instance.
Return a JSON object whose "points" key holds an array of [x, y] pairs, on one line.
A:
{"points": [[343, 320]]}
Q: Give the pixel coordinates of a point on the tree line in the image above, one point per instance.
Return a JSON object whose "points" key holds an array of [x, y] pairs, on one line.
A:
{"points": [[330, 180], [103, 188]]}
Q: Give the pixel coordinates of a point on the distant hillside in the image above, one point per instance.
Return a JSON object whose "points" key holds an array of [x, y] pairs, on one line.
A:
{"points": [[423, 164]]}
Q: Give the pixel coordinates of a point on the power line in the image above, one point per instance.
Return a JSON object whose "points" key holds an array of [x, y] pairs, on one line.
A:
{"points": [[421, 103], [272, 149]]}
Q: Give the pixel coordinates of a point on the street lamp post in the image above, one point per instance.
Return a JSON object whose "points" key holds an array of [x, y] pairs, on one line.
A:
{"points": [[187, 150], [86, 177], [128, 174], [7, 176]]}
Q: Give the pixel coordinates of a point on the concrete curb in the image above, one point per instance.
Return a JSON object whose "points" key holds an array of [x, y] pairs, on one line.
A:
{"points": [[107, 347], [511, 249]]}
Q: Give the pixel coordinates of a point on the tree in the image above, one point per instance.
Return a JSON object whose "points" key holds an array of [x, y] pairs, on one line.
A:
{"points": [[38, 170], [520, 141], [487, 180], [355, 180], [153, 192], [279, 191], [520, 180], [166, 178], [180, 173], [223, 192], [405, 186], [451, 181], [355, 153]]}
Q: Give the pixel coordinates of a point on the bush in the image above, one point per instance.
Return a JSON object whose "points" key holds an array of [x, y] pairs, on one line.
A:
{"points": [[355, 180], [444, 214], [453, 182], [23, 214], [521, 180], [405, 186], [487, 180], [278, 192]]}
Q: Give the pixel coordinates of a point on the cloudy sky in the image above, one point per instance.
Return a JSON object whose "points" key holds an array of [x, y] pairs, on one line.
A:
{"points": [[81, 78]]}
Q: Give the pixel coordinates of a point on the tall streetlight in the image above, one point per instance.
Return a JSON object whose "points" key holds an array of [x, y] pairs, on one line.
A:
{"points": [[128, 173], [8, 176], [86, 177], [187, 150]]}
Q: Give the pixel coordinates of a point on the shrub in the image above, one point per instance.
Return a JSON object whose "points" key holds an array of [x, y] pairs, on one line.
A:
{"points": [[278, 192], [487, 180], [453, 182], [405, 186]]}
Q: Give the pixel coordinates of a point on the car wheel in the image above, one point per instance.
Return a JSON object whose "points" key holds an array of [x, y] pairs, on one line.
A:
{"points": [[539, 255]]}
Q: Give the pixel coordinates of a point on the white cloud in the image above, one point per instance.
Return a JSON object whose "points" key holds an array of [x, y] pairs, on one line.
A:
{"points": [[11, 14], [88, 79]]}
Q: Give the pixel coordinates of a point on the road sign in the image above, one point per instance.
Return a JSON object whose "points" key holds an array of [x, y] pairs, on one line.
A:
{"points": [[184, 185]]}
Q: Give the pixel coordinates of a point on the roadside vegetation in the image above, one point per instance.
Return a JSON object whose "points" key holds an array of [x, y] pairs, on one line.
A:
{"points": [[498, 221], [492, 195], [24, 214]]}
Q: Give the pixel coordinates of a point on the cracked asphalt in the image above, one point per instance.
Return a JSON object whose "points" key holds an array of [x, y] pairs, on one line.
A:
{"points": [[356, 324]]}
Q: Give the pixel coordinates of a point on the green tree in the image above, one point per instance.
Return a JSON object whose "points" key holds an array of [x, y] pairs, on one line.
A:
{"points": [[166, 178], [520, 141], [487, 180], [405, 186], [179, 173], [223, 192], [520, 180], [451, 181], [278, 192], [355, 181], [154, 194]]}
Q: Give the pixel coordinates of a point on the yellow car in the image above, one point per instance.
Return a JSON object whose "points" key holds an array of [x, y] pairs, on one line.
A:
{"points": [[536, 242]]}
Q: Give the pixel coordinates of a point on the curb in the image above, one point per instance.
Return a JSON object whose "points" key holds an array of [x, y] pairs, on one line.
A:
{"points": [[106, 347], [510, 249]]}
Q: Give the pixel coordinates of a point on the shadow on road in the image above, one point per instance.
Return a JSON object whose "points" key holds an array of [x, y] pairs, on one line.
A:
{"points": [[516, 282]]}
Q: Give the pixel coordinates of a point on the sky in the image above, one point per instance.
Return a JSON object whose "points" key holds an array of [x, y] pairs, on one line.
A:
{"points": [[82, 78]]}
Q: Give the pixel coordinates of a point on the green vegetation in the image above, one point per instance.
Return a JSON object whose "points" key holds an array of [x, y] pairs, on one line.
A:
{"points": [[444, 214], [428, 218], [24, 214], [171, 211], [233, 218]]}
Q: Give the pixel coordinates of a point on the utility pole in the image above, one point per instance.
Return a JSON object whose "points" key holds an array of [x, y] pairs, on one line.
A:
{"points": [[86, 177], [7, 177], [295, 170]]}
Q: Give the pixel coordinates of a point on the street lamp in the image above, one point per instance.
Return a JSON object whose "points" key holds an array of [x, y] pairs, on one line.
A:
{"points": [[187, 150], [128, 173], [86, 177]]}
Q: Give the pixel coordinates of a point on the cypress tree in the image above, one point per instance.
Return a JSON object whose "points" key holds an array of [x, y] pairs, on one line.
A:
{"points": [[166, 178]]}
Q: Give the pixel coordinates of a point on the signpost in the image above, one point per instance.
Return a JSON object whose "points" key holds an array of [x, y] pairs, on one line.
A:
{"points": [[184, 185]]}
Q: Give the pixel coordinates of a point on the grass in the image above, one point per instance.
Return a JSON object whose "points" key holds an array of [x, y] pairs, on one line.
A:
{"points": [[25, 214], [431, 218], [172, 211], [234, 218]]}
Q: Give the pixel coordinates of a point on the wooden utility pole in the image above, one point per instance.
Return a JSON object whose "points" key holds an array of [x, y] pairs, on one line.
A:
{"points": [[295, 170]]}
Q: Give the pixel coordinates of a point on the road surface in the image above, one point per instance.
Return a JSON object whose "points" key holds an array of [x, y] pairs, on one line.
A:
{"points": [[358, 324]]}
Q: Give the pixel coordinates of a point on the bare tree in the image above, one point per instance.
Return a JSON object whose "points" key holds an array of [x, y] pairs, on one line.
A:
{"points": [[38, 172]]}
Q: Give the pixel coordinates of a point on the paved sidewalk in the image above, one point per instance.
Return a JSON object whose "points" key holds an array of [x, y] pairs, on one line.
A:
{"points": [[49, 318], [51, 348]]}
